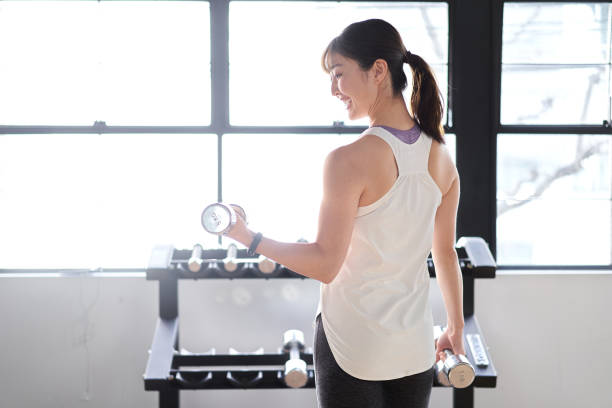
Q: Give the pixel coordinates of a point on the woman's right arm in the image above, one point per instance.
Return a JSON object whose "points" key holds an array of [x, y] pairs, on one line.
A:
{"points": [[448, 272]]}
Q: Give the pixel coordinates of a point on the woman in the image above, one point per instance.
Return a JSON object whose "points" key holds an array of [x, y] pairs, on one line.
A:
{"points": [[389, 198]]}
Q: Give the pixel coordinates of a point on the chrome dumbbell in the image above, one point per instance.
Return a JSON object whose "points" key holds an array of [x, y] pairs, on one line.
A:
{"points": [[455, 370], [219, 218], [195, 261], [231, 265], [296, 375], [265, 267]]}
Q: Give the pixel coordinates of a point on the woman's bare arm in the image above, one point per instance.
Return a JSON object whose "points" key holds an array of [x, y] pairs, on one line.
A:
{"points": [[322, 259]]}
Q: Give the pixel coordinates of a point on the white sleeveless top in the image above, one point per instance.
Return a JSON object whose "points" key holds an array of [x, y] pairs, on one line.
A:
{"points": [[376, 312]]}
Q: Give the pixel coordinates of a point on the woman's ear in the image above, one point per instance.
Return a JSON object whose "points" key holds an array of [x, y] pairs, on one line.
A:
{"points": [[380, 70]]}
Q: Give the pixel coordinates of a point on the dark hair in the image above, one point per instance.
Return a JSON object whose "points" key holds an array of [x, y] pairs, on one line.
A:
{"points": [[366, 41]]}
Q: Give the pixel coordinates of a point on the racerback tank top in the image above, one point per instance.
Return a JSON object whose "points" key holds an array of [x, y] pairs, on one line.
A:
{"points": [[376, 312]]}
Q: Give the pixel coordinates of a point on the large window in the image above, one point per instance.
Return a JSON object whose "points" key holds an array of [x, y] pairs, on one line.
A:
{"points": [[115, 133], [87, 200], [553, 179]]}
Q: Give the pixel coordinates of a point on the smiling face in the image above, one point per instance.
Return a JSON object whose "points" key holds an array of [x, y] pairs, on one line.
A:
{"points": [[356, 88]]}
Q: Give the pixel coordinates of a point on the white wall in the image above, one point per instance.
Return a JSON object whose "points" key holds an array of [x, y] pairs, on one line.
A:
{"points": [[83, 341]]}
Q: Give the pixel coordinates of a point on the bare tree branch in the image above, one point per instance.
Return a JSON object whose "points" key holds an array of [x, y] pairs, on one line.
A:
{"points": [[561, 172], [572, 168]]}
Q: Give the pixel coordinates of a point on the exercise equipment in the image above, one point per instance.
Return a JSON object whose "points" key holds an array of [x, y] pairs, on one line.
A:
{"points": [[455, 370], [230, 263], [266, 267], [219, 218], [296, 375], [195, 261], [478, 350], [168, 370]]}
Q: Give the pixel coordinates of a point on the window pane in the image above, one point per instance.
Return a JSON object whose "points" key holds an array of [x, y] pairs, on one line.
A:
{"points": [[278, 179], [125, 63], [553, 200], [88, 201], [556, 63], [556, 33], [533, 95], [276, 47]]}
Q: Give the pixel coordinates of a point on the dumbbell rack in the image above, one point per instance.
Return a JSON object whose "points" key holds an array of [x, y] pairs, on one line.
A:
{"points": [[164, 372]]}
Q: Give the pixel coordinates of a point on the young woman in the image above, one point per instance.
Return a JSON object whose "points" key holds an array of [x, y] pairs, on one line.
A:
{"points": [[389, 198]]}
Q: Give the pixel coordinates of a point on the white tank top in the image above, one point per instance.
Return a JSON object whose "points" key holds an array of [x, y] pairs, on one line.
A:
{"points": [[376, 312]]}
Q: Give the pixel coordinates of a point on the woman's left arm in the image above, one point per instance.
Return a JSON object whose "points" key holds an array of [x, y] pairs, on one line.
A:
{"points": [[320, 260]]}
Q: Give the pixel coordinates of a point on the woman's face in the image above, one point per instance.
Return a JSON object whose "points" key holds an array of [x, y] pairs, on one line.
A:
{"points": [[353, 86]]}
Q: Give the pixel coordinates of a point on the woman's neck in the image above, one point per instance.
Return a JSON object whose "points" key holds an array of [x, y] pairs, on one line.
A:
{"points": [[392, 113]]}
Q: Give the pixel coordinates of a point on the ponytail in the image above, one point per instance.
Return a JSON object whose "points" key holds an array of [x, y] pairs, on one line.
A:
{"points": [[426, 101]]}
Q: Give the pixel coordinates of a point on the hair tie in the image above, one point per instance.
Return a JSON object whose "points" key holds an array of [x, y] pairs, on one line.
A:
{"points": [[408, 57]]}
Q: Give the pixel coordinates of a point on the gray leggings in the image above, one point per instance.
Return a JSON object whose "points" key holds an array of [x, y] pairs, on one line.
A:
{"points": [[337, 389]]}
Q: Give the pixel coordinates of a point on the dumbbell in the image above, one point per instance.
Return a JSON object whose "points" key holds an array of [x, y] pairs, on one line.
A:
{"points": [[455, 370], [195, 261], [219, 218], [266, 267], [296, 375], [230, 267], [230, 263]]}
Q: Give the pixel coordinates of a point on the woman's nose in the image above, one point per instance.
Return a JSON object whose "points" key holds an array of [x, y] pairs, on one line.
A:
{"points": [[334, 88]]}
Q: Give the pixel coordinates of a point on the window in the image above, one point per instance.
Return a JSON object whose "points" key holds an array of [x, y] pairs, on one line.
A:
{"points": [[84, 200], [553, 200], [275, 52], [556, 64], [125, 63], [90, 201], [553, 179], [111, 145]]}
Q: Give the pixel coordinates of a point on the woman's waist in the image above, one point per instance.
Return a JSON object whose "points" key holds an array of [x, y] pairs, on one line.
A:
{"points": [[389, 306]]}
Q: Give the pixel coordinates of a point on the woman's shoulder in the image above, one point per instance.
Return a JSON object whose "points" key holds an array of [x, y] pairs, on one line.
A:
{"points": [[441, 165], [369, 143], [363, 147], [361, 154]]}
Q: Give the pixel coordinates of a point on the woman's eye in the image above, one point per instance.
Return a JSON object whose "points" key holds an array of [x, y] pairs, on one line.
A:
{"points": [[338, 76]]}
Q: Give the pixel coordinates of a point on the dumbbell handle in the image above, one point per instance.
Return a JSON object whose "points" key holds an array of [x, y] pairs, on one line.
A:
{"points": [[294, 353]]}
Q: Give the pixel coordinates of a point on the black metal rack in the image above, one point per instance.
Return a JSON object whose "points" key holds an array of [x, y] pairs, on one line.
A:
{"points": [[165, 373]]}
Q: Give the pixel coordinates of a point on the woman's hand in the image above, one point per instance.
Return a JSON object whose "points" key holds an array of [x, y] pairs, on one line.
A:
{"points": [[452, 340], [239, 231]]}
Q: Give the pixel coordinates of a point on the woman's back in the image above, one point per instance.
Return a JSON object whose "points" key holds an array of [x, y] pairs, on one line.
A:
{"points": [[380, 297], [382, 170]]}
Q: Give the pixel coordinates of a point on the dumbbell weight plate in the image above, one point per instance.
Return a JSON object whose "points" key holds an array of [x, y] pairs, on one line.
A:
{"points": [[460, 372], [267, 268], [218, 218], [441, 374], [236, 273], [296, 374]]}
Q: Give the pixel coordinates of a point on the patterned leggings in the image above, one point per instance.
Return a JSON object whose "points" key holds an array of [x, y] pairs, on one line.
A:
{"points": [[337, 389]]}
